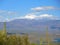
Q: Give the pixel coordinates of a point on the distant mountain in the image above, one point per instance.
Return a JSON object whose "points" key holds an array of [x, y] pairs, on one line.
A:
{"points": [[33, 27], [27, 25]]}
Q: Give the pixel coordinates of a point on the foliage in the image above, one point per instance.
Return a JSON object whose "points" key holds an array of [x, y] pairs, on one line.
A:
{"points": [[16, 39], [13, 39]]}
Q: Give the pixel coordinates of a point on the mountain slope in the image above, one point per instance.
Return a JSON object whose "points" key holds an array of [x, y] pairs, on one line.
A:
{"points": [[35, 28], [31, 25]]}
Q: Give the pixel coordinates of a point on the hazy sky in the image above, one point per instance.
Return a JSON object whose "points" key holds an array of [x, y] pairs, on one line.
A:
{"points": [[10, 9]]}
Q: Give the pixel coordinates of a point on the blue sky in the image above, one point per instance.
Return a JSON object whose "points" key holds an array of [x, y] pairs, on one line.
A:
{"points": [[16, 8]]}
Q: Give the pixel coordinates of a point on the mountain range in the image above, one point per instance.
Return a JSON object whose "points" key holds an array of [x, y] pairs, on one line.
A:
{"points": [[35, 28]]}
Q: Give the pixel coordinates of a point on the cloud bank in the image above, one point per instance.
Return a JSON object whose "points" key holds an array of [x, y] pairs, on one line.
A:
{"points": [[31, 16], [42, 16], [6, 16], [12, 15], [45, 8]]}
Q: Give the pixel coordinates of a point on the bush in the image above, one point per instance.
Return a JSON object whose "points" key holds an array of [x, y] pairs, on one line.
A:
{"points": [[13, 39]]}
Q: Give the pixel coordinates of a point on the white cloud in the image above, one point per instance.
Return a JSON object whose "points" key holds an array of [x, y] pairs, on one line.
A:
{"points": [[31, 16], [7, 15], [44, 8], [7, 12], [37, 8], [10, 15], [46, 16], [42, 16], [2, 19]]}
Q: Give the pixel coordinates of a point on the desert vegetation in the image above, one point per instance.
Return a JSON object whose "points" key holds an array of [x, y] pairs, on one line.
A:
{"points": [[13, 39], [17, 39]]}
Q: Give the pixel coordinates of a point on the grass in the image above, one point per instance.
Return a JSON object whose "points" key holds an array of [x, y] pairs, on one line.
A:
{"points": [[16, 39]]}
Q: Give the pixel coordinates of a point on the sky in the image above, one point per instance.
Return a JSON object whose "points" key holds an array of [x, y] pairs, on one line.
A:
{"points": [[17, 9]]}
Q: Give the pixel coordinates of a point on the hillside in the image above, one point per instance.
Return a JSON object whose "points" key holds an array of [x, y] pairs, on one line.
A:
{"points": [[35, 28]]}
